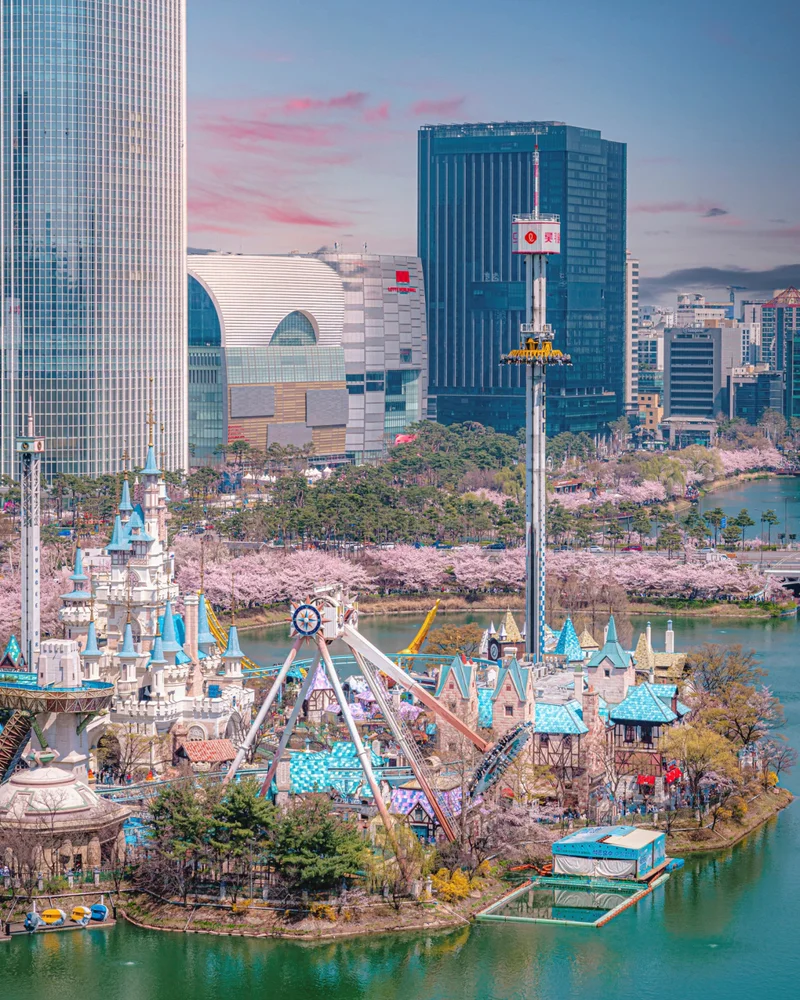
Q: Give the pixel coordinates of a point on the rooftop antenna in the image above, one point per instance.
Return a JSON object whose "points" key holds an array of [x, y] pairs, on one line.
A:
{"points": [[233, 598]]}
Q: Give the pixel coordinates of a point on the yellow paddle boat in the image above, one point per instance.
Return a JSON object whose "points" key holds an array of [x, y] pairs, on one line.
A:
{"points": [[53, 917], [81, 914]]}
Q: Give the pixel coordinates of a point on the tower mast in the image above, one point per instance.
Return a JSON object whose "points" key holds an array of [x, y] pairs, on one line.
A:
{"points": [[536, 235], [30, 450]]}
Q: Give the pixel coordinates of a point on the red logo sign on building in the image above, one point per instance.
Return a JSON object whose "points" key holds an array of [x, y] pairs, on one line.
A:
{"points": [[530, 237], [402, 277]]}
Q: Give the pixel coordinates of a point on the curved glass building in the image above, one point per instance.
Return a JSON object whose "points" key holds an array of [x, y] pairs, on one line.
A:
{"points": [[92, 229]]}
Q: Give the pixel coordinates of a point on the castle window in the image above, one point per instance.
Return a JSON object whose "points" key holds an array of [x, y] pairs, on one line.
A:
{"points": [[509, 711], [630, 734], [607, 673]]}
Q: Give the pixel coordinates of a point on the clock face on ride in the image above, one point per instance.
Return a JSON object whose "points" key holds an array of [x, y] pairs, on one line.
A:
{"points": [[306, 619]]}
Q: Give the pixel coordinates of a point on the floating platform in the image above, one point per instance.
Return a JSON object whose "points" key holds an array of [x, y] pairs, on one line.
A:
{"points": [[569, 900], [19, 928]]}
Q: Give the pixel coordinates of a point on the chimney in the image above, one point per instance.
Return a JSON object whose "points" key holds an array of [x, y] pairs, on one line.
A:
{"points": [[578, 677], [669, 638], [190, 603], [591, 708]]}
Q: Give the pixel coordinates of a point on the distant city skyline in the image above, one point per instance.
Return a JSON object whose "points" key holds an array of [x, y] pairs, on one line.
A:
{"points": [[303, 122]]}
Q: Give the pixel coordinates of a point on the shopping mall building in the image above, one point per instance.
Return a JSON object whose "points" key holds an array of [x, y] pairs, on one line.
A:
{"points": [[328, 350]]}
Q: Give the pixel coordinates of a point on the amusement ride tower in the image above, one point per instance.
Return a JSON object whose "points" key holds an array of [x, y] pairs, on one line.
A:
{"points": [[30, 449], [537, 236]]}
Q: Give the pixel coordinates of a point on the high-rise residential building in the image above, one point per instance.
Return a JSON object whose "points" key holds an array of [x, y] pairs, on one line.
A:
{"points": [[780, 344], [631, 332], [751, 392], [92, 230], [693, 310], [472, 179], [326, 351]]}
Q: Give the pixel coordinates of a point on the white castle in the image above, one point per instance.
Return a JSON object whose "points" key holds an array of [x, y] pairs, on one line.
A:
{"points": [[169, 673]]}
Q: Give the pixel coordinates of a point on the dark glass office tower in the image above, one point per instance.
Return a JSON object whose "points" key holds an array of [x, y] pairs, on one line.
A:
{"points": [[472, 179]]}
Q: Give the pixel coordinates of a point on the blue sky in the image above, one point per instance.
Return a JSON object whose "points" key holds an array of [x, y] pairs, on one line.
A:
{"points": [[303, 118]]}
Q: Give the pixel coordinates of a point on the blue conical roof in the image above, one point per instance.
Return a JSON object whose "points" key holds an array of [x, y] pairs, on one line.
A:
{"points": [[77, 574], [568, 645], [233, 650], [151, 466], [125, 505], [204, 635], [118, 543], [128, 652], [91, 649], [612, 630], [157, 658], [169, 640]]}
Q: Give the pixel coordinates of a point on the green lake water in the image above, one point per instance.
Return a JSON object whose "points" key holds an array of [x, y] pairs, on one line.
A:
{"points": [[725, 927]]}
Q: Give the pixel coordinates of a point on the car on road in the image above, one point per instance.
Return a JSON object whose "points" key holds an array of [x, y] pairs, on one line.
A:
{"points": [[596, 549], [632, 548]]}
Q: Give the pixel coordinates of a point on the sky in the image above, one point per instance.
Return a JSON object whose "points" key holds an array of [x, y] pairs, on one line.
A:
{"points": [[303, 118]]}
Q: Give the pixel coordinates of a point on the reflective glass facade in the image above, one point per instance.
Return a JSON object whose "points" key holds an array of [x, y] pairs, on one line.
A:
{"points": [[92, 228], [472, 179]]}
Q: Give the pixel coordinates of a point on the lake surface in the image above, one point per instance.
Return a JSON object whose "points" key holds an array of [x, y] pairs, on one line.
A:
{"points": [[779, 494], [725, 927]]}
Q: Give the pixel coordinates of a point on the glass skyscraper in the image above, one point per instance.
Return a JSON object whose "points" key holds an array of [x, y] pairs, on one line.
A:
{"points": [[472, 179], [92, 229]]}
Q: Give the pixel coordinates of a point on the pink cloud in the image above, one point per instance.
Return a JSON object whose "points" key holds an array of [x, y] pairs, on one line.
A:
{"points": [[237, 208], [243, 130], [444, 106], [352, 100], [378, 114]]}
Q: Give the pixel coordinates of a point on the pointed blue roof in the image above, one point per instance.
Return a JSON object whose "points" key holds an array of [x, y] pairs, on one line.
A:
{"points": [[151, 466], [519, 678], [157, 658], [170, 642], [91, 650], [612, 650], [118, 543], [233, 650], [77, 574], [643, 704], [134, 528], [125, 505], [568, 645], [128, 652], [204, 635]]}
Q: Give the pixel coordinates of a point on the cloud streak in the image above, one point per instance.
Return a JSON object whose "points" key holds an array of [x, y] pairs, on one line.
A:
{"points": [[754, 281], [442, 106], [707, 209]]}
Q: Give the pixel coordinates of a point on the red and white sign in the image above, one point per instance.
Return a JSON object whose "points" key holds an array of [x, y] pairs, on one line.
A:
{"points": [[536, 237]]}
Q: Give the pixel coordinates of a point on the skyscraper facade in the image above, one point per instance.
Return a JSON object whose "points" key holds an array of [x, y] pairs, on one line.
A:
{"points": [[780, 344], [472, 179], [631, 333], [92, 229]]}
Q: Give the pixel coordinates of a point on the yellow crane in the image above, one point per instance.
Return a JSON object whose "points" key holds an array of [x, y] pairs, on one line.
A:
{"points": [[416, 644]]}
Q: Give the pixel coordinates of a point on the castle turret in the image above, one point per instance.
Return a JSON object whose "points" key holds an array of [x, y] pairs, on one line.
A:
{"points": [[156, 666], [91, 654], [127, 656], [205, 640], [233, 655], [169, 643], [125, 506], [80, 581]]}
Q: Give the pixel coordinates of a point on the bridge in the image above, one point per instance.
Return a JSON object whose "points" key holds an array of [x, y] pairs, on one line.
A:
{"points": [[782, 564]]}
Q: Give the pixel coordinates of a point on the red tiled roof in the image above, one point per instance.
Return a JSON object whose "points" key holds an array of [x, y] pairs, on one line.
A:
{"points": [[209, 751]]}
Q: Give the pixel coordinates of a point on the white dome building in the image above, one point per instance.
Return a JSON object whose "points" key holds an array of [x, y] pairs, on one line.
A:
{"points": [[47, 815]]}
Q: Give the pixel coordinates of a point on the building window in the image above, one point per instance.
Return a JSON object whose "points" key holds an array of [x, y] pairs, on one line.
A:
{"points": [[294, 330], [607, 673], [647, 734], [630, 734], [405, 355], [509, 711], [544, 739]]}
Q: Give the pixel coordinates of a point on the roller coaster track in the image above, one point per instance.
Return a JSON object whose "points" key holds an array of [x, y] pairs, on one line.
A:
{"points": [[221, 635], [13, 739]]}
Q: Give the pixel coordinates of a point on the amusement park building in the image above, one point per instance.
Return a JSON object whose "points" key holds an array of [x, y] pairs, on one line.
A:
{"points": [[328, 350]]}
